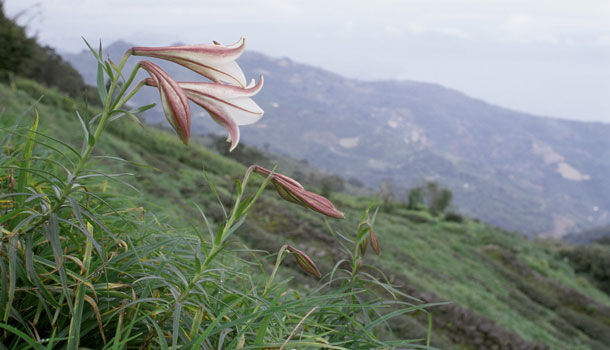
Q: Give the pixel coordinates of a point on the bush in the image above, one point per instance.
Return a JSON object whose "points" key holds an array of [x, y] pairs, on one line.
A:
{"points": [[454, 217], [431, 196], [593, 260]]}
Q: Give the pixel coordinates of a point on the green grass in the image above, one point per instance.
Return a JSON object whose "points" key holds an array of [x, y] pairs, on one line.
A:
{"points": [[524, 287], [115, 267]]}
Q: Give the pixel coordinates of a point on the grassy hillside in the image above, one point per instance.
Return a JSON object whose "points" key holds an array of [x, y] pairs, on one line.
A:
{"points": [[505, 291], [505, 167]]}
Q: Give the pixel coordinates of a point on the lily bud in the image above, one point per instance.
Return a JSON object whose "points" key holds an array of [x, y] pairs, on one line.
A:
{"points": [[374, 240], [305, 262], [214, 61], [294, 192], [174, 101], [363, 245]]}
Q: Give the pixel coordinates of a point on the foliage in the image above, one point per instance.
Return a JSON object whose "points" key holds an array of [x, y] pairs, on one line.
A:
{"points": [[85, 265], [479, 268], [15, 46], [430, 195], [593, 260], [453, 216], [23, 56]]}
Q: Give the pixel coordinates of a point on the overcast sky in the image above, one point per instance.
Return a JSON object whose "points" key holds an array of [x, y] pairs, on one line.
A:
{"points": [[546, 57]]}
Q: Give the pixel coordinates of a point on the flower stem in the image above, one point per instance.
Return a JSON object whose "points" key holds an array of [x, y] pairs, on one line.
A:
{"points": [[106, 113]]}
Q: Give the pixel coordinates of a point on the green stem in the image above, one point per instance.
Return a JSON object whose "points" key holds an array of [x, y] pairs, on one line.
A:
{"points": [[106, 112], [258, 193], [120, 103], [216, 247], [126, 86]]}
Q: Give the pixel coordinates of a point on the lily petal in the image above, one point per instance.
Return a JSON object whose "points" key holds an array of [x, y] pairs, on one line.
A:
{"points": [[234, 100], [214, 61], [174, 101], [230, 106]]}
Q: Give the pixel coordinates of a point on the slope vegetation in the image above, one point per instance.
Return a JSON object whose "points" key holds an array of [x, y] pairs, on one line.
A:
{"points": [[505, 291]]}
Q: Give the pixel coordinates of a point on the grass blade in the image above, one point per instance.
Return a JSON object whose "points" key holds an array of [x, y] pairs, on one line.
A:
{"points": [[22, 179], [12, 268], [101, 87], [31, 341], [79, 302], [52, 230]]}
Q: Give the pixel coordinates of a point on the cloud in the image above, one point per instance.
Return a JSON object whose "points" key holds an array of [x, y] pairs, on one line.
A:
{"points": [[453, 32]]}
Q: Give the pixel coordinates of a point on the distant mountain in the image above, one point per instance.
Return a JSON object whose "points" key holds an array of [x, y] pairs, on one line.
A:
{"points": [[511, 169], [593, 235]]}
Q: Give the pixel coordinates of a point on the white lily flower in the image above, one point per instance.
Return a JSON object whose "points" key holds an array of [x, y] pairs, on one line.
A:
{"points": [[229, 106], [214, 61]]}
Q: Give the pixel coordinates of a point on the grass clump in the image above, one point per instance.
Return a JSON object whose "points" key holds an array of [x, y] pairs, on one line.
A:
{"points": [[85, 263]]}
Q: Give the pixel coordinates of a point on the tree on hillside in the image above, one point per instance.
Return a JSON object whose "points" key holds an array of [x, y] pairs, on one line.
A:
{"points": [[15, 47], [23, 56], [386, 192], [430, 195]]}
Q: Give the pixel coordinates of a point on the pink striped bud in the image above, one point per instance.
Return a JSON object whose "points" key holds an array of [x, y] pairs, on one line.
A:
{"points": [[174, 101], [305, 262], [294, 192]]}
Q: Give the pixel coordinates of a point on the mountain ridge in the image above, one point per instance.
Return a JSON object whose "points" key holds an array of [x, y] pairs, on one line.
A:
{"points": [[514, 170]]}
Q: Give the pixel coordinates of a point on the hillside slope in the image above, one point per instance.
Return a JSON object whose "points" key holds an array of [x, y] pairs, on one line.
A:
{"points": [[506, 291], [516, 171]]}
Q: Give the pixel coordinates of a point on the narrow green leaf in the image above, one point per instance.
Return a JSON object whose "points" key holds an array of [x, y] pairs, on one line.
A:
{"points": [[213, 325], [49, 146], [79, 303], [101, 87], [176, 324], [87, 136], [12, 214], [122, 113], [196, 323], [207, 179], [207, 223], [33, 276], [262, 330], [95, 53], [142, 109], [139, 165], [18, 121], [22, 179], [235, 227], [160, 336], [83, 227], [109, 70], [4, 284], [52, 233], [31, 341], [12, 270], [51, 340]]}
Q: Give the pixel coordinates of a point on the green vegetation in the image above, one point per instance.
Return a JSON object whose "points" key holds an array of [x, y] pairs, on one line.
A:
{"points": [[500, 282], [23, 56], [87, 260], [431, 197], [142, 248]]}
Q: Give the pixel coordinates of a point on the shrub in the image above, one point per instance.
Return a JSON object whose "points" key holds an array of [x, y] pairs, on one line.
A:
{"points": [[454, 217]]}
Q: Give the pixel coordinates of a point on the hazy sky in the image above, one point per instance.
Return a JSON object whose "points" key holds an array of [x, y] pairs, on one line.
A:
{"points": [[546, 57]]}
